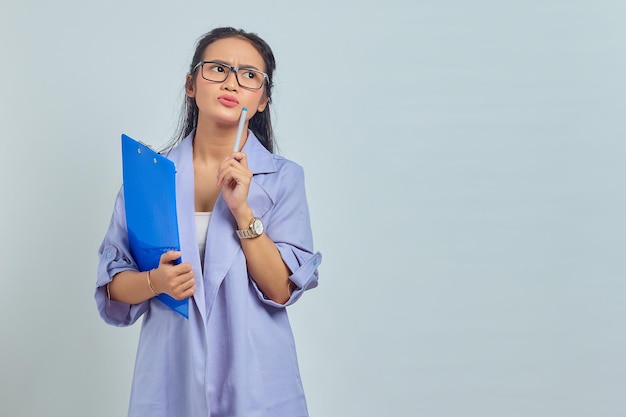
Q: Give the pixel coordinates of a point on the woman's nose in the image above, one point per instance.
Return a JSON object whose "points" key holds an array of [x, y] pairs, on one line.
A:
{"points": [[231, 82]]}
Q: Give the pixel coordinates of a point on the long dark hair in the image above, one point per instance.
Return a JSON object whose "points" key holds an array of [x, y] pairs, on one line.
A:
{"points": [[261, 123]]}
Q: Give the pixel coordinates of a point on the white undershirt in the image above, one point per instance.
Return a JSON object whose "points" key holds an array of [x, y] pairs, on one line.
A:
{"points": [[202, 226]]}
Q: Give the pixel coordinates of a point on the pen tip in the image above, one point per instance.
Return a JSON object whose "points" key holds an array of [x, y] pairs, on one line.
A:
{"points": [[244, 109]]}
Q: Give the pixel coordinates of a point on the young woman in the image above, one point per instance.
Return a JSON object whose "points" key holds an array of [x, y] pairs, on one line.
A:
{"points": [[235, 354]]}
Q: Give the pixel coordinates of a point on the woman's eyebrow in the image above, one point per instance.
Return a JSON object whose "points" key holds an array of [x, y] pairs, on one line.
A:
{"points": [[245, 66]]}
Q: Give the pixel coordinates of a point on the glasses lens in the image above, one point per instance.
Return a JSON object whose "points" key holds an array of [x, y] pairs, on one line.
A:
{"points": [[250, 78], [213, 71]]}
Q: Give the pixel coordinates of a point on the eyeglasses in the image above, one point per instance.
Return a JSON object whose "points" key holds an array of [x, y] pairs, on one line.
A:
{"points": [[218, 72]]}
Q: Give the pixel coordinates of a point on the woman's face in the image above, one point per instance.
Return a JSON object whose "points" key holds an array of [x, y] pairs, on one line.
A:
{"points": [[221, 102]]}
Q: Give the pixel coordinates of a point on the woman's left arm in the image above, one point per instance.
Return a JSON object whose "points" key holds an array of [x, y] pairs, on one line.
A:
{"points": [[265, 265], [263, 258]]}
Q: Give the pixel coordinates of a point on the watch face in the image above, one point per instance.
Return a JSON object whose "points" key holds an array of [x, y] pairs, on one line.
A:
{"points": [[257, 225]]}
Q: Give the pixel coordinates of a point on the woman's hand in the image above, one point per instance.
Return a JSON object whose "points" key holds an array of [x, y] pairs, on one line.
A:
{"points": [[174, 280], [233, 176]]}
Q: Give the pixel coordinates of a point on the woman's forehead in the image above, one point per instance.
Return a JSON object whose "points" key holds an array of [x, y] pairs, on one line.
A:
{"points": [[234, 51]]}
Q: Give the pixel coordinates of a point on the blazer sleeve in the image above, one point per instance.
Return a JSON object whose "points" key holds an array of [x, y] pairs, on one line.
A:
{"points": [[114, 257], [288, 224]]}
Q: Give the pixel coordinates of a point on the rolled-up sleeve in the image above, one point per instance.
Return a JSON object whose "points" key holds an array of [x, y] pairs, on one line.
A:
{"points": [[114, 257], [288, 224]]}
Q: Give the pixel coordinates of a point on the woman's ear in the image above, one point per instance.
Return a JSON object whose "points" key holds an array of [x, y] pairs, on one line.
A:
{"points": [[189, 87], [263, 104]]}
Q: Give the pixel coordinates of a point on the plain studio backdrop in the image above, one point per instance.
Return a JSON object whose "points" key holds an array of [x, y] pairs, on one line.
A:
{"points": [[465, 173]]}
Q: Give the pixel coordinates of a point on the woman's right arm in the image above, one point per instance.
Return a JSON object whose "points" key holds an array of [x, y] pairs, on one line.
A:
{"points": [[121, 290], [132, 287]]}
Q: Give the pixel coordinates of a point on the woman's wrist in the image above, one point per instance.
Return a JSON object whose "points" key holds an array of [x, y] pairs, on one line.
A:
{"points": [[150, 283], [243, 217]]}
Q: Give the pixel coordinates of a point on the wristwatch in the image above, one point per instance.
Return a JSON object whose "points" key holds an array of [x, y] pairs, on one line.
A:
{"points": [[254, 230]]}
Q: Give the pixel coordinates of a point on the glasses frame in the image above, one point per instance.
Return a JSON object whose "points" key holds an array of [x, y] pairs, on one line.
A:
{"points": [[231, 69]]}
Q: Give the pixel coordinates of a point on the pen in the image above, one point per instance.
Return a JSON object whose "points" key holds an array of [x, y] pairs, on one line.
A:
{"points": [[242, 120]]}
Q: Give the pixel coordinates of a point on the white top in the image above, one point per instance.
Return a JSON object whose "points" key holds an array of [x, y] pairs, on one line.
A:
{"points": [[202, 226]]}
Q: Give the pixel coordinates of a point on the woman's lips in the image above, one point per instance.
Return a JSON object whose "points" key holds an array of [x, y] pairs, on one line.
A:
{"points": [[228, 101]]}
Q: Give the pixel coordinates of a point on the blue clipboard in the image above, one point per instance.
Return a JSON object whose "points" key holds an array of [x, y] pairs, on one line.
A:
{"points": [[150, 203]]}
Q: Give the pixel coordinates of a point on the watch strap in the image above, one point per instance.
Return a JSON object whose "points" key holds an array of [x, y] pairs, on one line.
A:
{"points": [[246, 233]]}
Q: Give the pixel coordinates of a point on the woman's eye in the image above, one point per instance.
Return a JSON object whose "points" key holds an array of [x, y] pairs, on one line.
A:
{"points": [[249, 74], [217, 68]]}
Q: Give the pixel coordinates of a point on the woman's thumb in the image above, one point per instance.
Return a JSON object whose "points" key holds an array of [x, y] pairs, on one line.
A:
{"points": [[170, 256]]}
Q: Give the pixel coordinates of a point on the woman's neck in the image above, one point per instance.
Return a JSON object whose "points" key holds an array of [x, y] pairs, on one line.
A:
{"points": [[213, 142]]}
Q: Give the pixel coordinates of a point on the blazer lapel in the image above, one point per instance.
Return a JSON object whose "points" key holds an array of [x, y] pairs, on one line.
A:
{"points": [[182, 156]]}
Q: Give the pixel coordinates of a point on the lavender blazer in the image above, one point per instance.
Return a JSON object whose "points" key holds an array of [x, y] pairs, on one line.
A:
{"points": [[235, 356]]}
